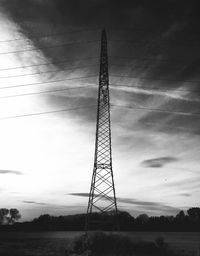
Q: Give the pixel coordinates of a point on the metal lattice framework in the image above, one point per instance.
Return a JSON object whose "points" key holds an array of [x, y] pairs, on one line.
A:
{"points": [[102, 196]]}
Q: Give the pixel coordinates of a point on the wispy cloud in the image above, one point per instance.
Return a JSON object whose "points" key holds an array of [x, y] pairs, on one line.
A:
{"points": [[183, 183], [185, 194], [10, 172], [158, 162], [145, 206], [149, 207], [79, 194], [33, 202]]}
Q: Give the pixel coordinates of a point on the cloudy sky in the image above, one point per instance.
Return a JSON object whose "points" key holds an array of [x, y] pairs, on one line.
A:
{"points": [[49, 64]]}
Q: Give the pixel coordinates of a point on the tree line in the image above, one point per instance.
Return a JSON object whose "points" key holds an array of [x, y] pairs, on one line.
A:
{"points": [[189, 221]]}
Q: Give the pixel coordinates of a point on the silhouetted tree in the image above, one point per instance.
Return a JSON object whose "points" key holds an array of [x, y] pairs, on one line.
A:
{"points": [[9, 216], [194, 213], [180, 215], [143, 218], [4, 216], [14, 216]]}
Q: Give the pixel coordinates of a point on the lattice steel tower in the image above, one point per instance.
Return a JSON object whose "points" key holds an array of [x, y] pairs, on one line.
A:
{"points": [[102, 196]]}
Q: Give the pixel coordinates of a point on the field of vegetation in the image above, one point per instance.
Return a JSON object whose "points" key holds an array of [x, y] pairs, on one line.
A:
{"points": [[123, 243]]}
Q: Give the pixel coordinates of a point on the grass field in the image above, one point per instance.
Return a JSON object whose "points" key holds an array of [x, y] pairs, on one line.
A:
{"points": [[55, 243]]}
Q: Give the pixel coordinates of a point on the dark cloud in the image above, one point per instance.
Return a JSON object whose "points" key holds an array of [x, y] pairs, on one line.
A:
{"points": [[173, 122], [103, 11], [174, 19], [149, 207], [160, 40], [158, 162], [10, 172], [185, 194], [33, 202], [144, 206], [80, 194]]}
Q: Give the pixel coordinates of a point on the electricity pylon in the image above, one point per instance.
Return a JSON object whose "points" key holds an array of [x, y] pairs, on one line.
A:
{"points": [[102, 196]]}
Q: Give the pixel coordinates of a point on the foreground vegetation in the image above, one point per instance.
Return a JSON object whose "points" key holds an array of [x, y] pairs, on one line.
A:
{"points": [[108, 244], [102, 244]]}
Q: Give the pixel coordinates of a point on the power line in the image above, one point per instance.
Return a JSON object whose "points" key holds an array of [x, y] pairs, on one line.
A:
{"points": [[48, 63], [47, 71], [141, 65], [117, 57], [159, 79], [65, 69], [48, 47], [46, 82], [43, 92], [128, 107], [91, 29], [147, 42], [79, 87], [158, 110], [45, 112], [117, 85], [113, 84], [66, 44], [150, 59], [69, 32], [49, 35], [150, 88], [157, 31]]}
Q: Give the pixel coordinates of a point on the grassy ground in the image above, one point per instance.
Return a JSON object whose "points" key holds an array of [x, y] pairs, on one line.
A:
{"points": [[34, 247], [186, 243], [101, 244], [52, 244]]}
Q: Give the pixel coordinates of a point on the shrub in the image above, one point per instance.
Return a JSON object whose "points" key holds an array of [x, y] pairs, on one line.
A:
{"points": [[160, 243], [101, 243]]}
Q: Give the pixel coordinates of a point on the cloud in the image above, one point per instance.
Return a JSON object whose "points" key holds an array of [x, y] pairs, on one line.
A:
{"points": [[158, 162], [156, 43], [149, 207], [173, 123], [140, 205], [185, 194], [177, 186], [33, 202], [79, 194], [183, 183], [10, 172]]}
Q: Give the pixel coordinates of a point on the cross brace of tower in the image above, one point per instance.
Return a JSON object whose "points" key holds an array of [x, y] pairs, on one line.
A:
{"points": [[102, 197]]}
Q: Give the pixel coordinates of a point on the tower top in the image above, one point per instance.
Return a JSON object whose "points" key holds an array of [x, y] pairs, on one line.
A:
{"points": [[103, 33]]}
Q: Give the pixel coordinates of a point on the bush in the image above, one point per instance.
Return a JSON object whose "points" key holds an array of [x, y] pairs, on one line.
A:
{"points": [[100, 243], [160, 243]]}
